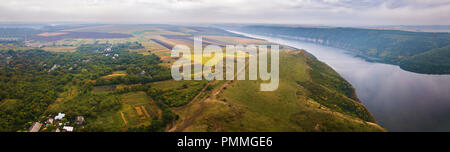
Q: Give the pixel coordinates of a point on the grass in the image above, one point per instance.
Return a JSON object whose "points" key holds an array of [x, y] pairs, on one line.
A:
{"points": [[268, 111], [70, 92], [172, 84], [138, 100], [131, 103], [242, 107], [135, 98], [105, 88], [8, 104]]}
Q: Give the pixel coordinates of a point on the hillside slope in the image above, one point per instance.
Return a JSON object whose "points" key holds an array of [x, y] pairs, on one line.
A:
{"points": [[311, 97]]}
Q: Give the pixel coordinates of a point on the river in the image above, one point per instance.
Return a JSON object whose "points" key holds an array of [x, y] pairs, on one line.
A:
{"points": [[399, 100]]}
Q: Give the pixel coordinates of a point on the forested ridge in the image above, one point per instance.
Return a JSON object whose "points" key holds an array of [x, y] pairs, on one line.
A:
{"points": [[422, 52]]}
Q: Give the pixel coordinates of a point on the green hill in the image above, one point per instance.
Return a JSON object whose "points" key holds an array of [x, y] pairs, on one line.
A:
{"points": [[311, 97]]}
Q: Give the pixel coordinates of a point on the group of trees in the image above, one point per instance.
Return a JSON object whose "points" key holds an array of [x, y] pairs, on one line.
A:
{"points": [[440, 64], [11, 42], [23, 78], [174, 97], [35, 78]]}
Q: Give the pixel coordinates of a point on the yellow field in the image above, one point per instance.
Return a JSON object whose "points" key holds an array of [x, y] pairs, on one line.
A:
{"points": [[115, 74]]}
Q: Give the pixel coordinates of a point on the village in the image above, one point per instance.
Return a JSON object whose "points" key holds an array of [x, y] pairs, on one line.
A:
{"points": [[59, 123]]}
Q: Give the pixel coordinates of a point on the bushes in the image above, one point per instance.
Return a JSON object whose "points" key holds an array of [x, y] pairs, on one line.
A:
{"points": [[336, 102], [175, 98]]}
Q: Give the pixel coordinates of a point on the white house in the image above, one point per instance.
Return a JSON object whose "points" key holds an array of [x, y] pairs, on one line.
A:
{"points": [[68, 128], [60, 116]]}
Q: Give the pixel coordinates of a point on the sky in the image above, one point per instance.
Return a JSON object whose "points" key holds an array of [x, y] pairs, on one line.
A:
{"points": [[323, 12]]}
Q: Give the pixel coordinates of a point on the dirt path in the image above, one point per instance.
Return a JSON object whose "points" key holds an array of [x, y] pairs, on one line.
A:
{"points": [[145, 112], [138, 110], [124, 119], [174, 128], [188, 121], [4, 102]]}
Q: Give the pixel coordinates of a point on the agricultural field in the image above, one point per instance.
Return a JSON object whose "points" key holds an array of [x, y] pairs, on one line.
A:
{"points": [[115, 74], [155, 39], [137, 109]]}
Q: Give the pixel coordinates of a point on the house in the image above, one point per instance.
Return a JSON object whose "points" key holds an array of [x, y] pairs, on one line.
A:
{"points": [[53, 68], [60, 116], [79, 120], [49, 121], [68, 128], [35, 127]]}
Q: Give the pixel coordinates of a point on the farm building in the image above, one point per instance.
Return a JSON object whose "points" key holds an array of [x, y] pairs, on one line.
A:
{"points": [[49, 121], [79, 120]]}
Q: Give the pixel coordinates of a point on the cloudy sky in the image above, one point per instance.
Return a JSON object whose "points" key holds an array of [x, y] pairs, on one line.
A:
{"points": [[327, 12]]}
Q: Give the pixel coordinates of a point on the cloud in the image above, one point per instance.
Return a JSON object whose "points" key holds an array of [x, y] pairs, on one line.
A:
{"points": [[348, 12]]}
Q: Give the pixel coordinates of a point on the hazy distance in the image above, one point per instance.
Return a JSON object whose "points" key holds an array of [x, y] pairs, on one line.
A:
{"points": [[327, 12]]}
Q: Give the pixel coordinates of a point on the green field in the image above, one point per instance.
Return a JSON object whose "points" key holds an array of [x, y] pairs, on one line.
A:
{"points": [[130, 103]]}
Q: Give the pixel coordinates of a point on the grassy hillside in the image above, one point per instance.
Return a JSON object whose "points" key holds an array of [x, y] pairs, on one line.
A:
{"points": [[389, 46], [310, 97]]}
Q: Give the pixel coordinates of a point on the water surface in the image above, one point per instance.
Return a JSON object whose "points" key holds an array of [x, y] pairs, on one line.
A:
{"points": [[400, 100]]}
